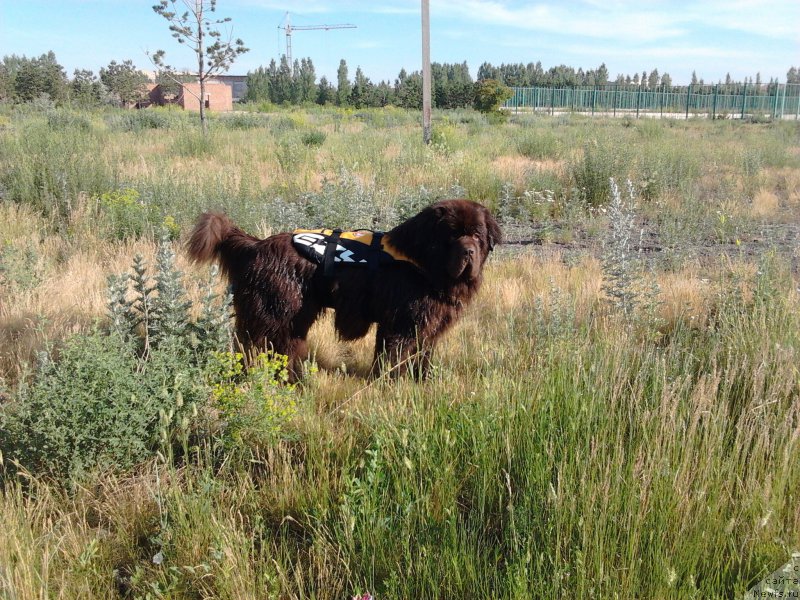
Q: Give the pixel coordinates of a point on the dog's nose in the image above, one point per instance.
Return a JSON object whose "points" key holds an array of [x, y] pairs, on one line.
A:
{"points": [[470, 252]]}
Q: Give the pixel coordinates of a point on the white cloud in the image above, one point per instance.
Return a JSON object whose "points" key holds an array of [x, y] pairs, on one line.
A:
{"points": [[779, 19], [631, 21], [588, 19]]}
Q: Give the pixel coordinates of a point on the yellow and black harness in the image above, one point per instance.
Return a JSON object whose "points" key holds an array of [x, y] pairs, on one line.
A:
{"points": [[363, 247]]}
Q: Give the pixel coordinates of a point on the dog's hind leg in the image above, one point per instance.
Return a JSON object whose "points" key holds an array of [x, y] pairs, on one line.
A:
{"points": [[284, 335], [295, 345]]}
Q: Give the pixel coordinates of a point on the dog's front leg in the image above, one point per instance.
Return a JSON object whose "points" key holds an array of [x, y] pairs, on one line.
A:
{"points": [[398, 353]]}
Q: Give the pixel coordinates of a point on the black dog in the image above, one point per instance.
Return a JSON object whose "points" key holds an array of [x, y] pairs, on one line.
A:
{"points": [[279, 290]]}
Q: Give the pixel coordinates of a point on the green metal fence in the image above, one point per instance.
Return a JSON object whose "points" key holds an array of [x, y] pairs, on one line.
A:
{"points": [[722, 100]]}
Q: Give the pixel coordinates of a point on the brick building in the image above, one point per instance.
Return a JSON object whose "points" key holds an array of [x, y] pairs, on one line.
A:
{"points": [[238, 84], [219, 96]]}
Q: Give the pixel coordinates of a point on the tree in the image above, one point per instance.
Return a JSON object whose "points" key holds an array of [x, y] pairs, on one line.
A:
{"points": [[487, 71], [653, 79], [306, 81], [452, 84], [490, 94], [694, 81], [196, 28], [408, 90], [343, 88], [666, 80], [281, 89], [169, 82], [325, 92], [124, 81], [359, 97], [36, 77], [85, 89], [382, 94], [258, 86], [793, 75], [601, 78], [8, 72]]}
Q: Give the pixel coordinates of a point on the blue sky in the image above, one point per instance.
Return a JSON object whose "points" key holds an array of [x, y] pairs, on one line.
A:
{"points": [[711, 37]]}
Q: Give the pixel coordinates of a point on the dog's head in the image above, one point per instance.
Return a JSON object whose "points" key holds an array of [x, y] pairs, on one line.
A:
{"points": [[450, 239]]}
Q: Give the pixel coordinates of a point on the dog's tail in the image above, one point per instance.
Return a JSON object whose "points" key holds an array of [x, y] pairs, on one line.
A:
{"points": [[216, 239]]}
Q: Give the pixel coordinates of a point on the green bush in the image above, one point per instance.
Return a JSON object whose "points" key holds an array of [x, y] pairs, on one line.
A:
{"points": [[592, 171], [347, 202], [49, 172], [538, 144], [282, 124], [255, 404], [110, 399], [97, 405], [193, 143], [19, 265], [243, 120], [139, 120], [63, 119], [124, 213], [313, 138], [490, 95]]}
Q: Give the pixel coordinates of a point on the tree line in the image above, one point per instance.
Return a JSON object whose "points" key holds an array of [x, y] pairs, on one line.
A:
{"points": [[534, 75], [24, 79], [281, 83]]}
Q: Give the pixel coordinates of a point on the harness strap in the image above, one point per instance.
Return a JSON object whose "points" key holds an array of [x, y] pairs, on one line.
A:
{"points": [[330, 253], [375, 246]]}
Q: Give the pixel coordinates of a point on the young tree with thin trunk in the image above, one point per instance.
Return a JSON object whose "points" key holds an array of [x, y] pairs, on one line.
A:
{"points": [[199, 30]]}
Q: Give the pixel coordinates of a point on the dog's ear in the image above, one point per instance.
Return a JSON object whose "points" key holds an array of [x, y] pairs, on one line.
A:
{"points": [[441, 211], [493, 233]]}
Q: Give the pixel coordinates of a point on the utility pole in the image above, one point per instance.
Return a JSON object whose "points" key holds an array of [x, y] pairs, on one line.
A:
{"points": [[426, 72]]}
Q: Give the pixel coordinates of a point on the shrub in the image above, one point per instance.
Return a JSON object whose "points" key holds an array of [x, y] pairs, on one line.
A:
{"points": [[490, 95], [619, 262], [62, 119], [538, 145], [50, 171], [282, 124], [97, 404], [255, 404], [592, 171], [243, 120], [313, 138], [193, 143], [110, 399], [629, 291], [347, 202], [125, 213], [155, 311], [139, 120], [444, 139], [18, 266]]}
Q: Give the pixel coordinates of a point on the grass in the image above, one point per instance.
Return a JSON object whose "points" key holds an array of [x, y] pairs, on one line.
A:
{"points": [[560, 447]]}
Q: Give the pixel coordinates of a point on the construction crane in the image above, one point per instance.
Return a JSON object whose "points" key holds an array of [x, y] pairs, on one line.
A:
{"points": [[289, 28]]}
